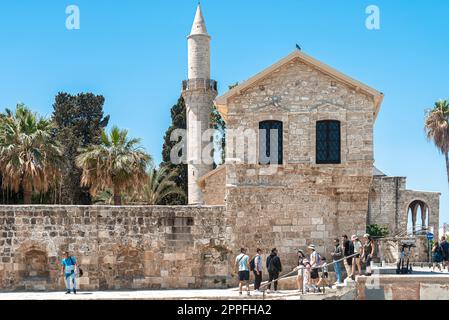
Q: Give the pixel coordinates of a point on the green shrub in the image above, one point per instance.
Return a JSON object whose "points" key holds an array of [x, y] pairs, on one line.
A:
{"points": [[377, 231]]}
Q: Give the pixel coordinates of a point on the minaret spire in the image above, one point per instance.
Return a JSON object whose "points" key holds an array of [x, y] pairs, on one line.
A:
{"points": [[199, 25]]}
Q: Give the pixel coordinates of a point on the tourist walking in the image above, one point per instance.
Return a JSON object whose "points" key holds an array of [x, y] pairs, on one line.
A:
{"points": [[300, 269], [437, 253], [348, 250], [315, 261], [337, 254], [445, 248], [368, 252], [242, 264], [358, 249], [69, 269], [274, 267], [257, 270]]}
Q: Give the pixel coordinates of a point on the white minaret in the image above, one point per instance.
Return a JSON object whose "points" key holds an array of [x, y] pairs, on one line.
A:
{"points": [[199, 92]]}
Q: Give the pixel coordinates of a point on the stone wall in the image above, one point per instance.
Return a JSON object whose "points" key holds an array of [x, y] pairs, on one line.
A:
{"points": [[214, 187], [400, 287], [117, 247], [383, 208]]}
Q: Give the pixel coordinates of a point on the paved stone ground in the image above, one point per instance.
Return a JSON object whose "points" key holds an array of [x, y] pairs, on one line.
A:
{"points": [[147, 295], [224, 294]]}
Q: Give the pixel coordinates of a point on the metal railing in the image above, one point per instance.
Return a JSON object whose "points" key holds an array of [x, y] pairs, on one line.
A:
{"points": [[264, 286], [414, 231]]}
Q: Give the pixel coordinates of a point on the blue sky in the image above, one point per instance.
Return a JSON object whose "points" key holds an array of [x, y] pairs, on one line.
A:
{"points": [[134, 53]]}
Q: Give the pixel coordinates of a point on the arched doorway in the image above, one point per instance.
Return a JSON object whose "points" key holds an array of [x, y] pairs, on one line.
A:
{"points": [[417, 217]]}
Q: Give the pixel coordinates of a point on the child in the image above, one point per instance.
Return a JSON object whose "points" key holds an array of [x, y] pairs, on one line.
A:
{"points": [[307, 284], [325, 275]]}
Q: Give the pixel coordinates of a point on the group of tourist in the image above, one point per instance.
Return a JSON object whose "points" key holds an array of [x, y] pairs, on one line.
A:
{"points": [[312, 267], [245, 265], [440, 254], [351, 252]]}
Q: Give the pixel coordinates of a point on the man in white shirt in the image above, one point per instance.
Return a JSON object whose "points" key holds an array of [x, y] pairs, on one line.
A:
{"points": [[242, 263], [314, 263]]}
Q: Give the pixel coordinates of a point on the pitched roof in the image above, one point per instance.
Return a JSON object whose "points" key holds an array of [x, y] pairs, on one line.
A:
{"points": [[377, 172], [222, 102], [202, 180]]}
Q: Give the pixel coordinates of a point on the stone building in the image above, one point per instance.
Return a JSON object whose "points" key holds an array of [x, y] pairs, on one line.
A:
{"points": [[321, 182], [299, 170]]}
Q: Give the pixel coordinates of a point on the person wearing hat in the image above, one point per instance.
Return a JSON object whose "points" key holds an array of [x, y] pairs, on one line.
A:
{"points": [[368, 252], [358, 248], [314, 263]]}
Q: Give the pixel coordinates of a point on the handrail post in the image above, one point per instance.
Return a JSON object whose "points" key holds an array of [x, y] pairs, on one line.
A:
{"points": [[322, 274], [302, 279]]}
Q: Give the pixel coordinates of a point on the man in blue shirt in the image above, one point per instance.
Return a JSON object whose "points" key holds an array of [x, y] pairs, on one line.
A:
{"points": [[242, 263], [69, 270]]}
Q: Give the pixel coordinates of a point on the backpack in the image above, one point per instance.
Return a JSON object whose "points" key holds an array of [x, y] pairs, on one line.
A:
{"points": [[440, 251], [80, 271], [252, 264], [318, 258], [271, 266]]}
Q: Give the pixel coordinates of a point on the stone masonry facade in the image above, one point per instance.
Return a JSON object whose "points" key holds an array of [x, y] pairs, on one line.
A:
{"points": [[214, 187], [300, 202]]}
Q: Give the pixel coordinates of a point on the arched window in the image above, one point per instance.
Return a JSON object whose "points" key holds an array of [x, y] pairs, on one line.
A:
{"points": [[270, 142], [328, 143]]}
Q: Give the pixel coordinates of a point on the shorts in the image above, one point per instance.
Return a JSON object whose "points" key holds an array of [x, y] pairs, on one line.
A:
{"points": [[349, 261], [244, 275], [325, 275], [314, 274]]}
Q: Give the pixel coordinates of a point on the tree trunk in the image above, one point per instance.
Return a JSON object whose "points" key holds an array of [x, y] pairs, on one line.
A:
{"points": [[27, 193], [117, 197]]}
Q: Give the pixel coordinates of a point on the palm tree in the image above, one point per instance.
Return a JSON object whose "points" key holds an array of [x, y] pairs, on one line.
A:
{"points": [[30, 157], [437, 128], [159, 186], [117, 163], [106, 197]]}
